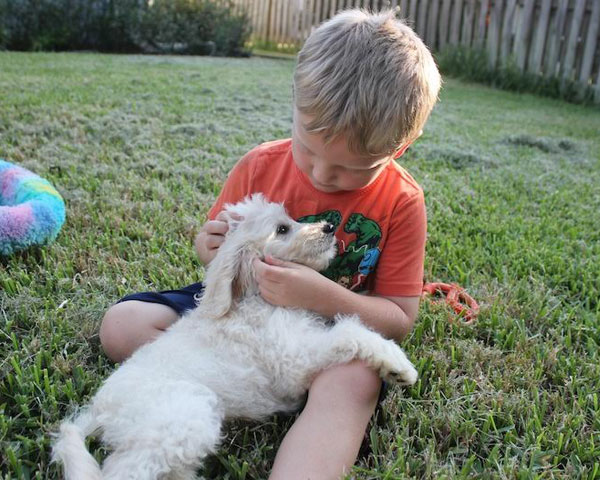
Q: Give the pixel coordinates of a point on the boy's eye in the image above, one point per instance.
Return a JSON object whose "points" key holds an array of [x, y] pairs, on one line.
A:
{"points": [[282, 229], [364, 171]]}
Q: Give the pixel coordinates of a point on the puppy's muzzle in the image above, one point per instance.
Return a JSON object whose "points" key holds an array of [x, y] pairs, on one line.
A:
{"points": [[329, 228]]}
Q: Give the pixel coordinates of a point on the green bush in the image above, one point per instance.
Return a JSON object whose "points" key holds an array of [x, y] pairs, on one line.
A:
{"points": [[173, 26], [473, 64], [468, 63], [195, 27], [104, 25]]}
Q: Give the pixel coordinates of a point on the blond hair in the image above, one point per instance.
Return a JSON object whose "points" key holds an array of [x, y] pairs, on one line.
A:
{"points": [[368, 77]]}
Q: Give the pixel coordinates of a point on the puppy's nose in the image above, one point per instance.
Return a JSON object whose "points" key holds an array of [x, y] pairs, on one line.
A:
{"points": [[328, 228]]}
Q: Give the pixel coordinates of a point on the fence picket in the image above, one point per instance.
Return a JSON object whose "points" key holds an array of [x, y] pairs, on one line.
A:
{"points": [[467, 28], [590, 45], [567, 71], [556, 33], [278, 21], [432, 24], [255, 16], [281, 20], [261, 20], [413, 11], [494, 32], [285, 23], [535, 60], [271, 20], [479, 41], [421, 23], [508, 22], [404, 8], [318, 12], [311, 18], [455, 22], [523, 33], [444, 23]]}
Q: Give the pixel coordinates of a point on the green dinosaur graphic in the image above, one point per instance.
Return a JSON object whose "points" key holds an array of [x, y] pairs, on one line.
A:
{"points": [[359, 258]]}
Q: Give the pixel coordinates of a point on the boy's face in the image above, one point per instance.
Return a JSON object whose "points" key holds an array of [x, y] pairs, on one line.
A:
{"points": [[331, 167]]}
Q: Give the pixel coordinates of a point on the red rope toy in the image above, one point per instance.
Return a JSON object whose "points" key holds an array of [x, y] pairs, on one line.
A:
{"points": [[461, 302]]}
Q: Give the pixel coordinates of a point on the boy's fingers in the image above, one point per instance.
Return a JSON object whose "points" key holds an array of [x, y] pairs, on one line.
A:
{"points": [[216, 227], [276, 262], [224, 216], [214, 241], [273, 261], [264, 271], [258, 265]]}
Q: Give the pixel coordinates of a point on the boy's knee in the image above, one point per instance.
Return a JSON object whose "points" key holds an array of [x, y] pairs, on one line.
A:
{"points": [[111, 329], [128, 325], [355, 382]]}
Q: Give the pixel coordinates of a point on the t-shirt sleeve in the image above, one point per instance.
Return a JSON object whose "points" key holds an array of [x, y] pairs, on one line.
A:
{"points": [[399, 271], [238, 184]]}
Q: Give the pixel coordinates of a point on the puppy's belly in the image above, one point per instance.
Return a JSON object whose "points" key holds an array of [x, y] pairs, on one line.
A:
{"points": [[254, 371]]}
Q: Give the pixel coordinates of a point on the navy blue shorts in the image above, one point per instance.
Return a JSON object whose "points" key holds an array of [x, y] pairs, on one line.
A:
{"points": [[186, 299], [179, 300]]}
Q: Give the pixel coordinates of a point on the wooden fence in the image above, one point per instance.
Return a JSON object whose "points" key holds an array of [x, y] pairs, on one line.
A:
{"points": [[554, 38]]}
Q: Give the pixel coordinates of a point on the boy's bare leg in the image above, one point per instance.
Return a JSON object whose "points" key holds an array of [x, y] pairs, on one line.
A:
{"points": [[128, 325], [324, 441]]}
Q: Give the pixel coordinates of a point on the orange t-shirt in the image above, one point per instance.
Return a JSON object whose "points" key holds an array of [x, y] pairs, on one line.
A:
{"points": [[381, 228]]}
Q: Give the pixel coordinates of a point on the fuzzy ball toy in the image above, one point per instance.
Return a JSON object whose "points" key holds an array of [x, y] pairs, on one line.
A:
{"points": [[31, 210]]}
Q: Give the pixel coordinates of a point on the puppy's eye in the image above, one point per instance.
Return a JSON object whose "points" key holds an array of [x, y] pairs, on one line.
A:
{"points": [[282, 229]]}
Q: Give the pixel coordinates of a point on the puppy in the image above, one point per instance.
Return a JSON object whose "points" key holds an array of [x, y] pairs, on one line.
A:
{"points": [[234, 356]]}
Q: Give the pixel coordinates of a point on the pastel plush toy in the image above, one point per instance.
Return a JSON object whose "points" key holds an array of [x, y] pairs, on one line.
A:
{"points": [[31, 210]]}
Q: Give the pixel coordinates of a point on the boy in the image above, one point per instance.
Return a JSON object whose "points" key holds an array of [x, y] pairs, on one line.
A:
{"points": [[364, 86]]}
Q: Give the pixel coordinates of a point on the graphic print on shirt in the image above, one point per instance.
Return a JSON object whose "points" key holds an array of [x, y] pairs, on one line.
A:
{"points": [[355, 261]]}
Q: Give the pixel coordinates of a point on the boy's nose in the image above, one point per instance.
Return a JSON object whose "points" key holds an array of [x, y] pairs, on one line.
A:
{"points": [[322, 174]]}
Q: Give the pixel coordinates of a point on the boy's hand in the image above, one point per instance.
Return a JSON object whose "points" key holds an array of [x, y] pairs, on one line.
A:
{"points": [[211, 237], [288, 284]]}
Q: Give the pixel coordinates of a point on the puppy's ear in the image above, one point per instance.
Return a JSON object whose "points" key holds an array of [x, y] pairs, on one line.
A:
{"points": [[229, 275]]}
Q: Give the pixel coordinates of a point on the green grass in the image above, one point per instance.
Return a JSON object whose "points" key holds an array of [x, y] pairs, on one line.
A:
{"points": [[139, 147]]}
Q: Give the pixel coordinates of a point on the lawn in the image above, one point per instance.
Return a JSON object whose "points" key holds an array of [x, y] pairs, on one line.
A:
{"points": [[139, 147]]}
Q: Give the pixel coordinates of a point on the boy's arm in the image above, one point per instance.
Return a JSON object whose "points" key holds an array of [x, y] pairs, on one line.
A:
{"points": [[290, 284]]}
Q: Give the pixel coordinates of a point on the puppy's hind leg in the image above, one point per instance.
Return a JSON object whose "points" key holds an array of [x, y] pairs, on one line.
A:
{"points": [[349, 339], [179, 425]]}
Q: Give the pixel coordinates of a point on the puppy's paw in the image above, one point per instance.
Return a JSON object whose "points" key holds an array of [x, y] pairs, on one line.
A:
{"points": [[397, 369]]}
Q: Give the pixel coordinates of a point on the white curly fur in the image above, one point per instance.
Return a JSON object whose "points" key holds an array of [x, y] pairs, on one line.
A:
{"points": [[234, 356]]}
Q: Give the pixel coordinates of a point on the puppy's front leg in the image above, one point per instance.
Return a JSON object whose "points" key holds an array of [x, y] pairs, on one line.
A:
{"points": [[349, 339]]}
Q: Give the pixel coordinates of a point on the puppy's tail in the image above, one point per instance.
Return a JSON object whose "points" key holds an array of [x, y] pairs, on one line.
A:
{"points": [[70, 449]]}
